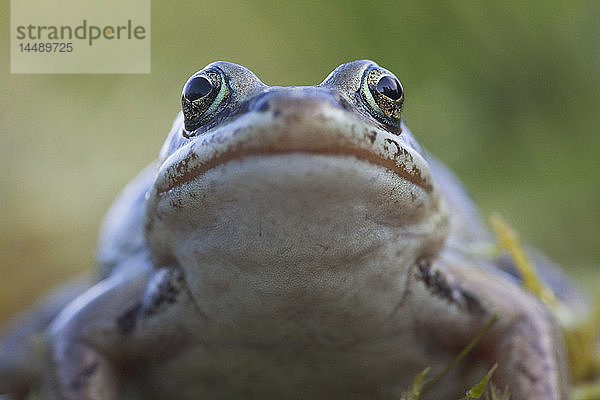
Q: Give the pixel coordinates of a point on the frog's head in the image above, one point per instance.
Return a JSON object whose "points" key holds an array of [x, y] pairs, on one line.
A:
{"points": [[275, 177]]}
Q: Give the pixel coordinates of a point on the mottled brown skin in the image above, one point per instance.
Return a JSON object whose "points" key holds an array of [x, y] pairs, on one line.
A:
{"points": [[289, 243]]}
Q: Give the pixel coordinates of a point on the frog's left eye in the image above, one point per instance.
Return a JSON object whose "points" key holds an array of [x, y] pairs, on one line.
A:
{"points": [[384, 96], [203, 96]]}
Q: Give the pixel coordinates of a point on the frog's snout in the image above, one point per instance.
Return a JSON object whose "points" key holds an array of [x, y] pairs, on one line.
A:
{"points": [[308, 100]]}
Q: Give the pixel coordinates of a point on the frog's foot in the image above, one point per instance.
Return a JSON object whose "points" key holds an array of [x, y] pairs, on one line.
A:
{"points": [[22, 347], [82, 373], [524, 341], [532, 359], [112, 324], [78, 339]]}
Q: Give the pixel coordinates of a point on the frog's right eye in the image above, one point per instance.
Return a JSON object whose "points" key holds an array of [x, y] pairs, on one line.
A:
{"points": [[203, 96], [383, 94]]}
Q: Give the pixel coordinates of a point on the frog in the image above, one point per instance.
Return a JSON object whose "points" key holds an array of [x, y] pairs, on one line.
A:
{"points": [[291, 243]]}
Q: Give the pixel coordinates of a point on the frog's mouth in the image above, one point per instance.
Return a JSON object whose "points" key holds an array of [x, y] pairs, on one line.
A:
{"points": [[328, 131]]}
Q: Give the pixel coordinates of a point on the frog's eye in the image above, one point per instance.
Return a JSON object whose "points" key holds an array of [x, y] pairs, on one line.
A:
{"points": [[383, 94], [203, 96]]}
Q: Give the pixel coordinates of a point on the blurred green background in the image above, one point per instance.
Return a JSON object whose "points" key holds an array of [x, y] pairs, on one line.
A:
{"points": [[507, 93]]}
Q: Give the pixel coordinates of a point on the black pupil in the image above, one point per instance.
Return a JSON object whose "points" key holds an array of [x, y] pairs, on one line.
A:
{"points": [[390, 87], [197, 88]]}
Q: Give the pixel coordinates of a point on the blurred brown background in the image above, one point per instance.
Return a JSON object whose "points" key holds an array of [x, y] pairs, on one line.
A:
{"points": [[507, 93]]}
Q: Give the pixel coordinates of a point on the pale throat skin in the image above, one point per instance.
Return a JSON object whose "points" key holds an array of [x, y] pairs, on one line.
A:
{"points": [[291, 243]]}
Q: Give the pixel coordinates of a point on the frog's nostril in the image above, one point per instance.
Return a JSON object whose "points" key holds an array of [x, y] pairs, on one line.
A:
{"points": [[263, 106], [266, 105]]}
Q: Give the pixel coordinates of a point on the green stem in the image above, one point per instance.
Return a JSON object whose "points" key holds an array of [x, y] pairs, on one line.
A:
{"points": [[429, 385]]}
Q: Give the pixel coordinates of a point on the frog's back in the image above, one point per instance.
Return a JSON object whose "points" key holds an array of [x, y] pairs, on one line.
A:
{"points": [[466, 224], [122, 233], [469, 234]]}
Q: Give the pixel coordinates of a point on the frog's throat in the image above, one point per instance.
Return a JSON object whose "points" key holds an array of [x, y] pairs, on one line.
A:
{"points": [[295, 211]]}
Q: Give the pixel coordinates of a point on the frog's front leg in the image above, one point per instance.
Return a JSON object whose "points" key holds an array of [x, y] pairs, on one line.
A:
{"points": [[524, 341], [111, 325]]}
